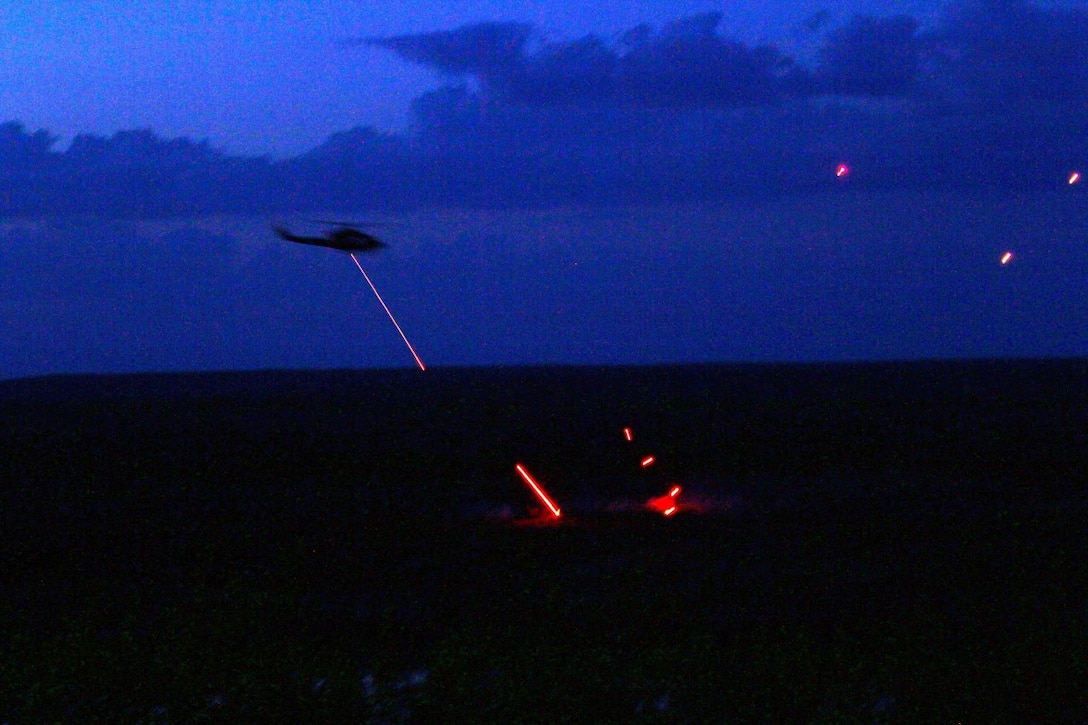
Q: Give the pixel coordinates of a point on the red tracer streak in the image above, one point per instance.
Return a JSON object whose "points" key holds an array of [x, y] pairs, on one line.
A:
{"points": [[386, 308], [538, 490]]}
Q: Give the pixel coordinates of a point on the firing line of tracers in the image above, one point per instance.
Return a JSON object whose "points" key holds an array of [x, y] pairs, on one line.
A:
{"points": [[345, 237], [666, 505]]}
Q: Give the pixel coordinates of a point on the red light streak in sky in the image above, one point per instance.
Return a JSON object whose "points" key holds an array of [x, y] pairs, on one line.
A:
{"points": [[1006, 257], [628, 434], [391, 318], [1074, 177], [647, 461], [842, 170], [537, 490]]}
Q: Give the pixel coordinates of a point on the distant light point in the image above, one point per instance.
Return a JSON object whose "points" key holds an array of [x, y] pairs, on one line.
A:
{"points": [[1006, 258], [842, 170]]}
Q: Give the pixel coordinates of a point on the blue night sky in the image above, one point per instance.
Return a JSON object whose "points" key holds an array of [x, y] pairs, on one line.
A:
{"points": [[559, 182], [274, 76]]}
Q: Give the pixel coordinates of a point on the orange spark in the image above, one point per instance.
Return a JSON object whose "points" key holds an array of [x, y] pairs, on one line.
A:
{"points": [[628, 434], [1074, 177], [1006, 257], [647, 461]]}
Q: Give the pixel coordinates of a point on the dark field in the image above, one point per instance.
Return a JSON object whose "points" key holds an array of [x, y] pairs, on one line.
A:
{"points": [[877, 543]]}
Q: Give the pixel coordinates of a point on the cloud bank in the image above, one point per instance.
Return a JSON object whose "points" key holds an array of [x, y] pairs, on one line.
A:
{"points": [[688, 64], [991, 95]]}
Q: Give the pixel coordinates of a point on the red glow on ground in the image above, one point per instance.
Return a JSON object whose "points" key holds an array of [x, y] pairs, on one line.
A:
{"points": [[1006, 257], [541, 518], [668, 504], [537, 490], [647, 461], [628, 434], [1074, 177], [842, 170]]}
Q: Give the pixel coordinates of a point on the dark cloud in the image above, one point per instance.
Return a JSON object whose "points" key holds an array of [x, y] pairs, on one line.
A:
{"points": [[132, 172], [1003, 95], [984, 51], [1011, 53], [485, 49], [580, 71], [686, 64], [689, 64], [817, 21], [19, 147], [871, 57], [992, 95]]}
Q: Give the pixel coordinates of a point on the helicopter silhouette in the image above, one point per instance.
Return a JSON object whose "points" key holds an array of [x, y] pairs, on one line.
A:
{"points": [[344, 237]]}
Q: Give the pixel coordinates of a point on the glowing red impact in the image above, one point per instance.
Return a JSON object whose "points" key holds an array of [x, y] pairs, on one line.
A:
{"points": [[666, 505], [537, 490]]}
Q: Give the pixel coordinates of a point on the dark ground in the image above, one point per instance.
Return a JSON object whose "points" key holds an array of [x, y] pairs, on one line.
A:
{"points": [[884, 543]]}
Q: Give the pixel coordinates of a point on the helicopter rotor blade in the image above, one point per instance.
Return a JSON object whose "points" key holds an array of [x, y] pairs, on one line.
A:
{"points": [[342, 223]]}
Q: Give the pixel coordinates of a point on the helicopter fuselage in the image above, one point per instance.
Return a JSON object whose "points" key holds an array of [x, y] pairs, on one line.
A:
{"points": [[344, 239]]}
